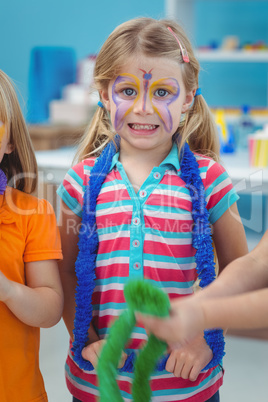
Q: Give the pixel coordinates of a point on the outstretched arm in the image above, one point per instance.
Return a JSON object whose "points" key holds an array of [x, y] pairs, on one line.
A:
{"points": [[238, 298]]}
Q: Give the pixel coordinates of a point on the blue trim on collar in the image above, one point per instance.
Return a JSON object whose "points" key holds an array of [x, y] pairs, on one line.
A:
{"points": [[172, 159], [115, 160]]}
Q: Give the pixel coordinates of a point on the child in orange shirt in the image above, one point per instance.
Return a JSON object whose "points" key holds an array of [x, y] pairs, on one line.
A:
{"points": [[30, 290]]}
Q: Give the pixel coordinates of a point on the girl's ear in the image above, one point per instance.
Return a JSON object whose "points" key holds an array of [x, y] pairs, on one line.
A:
{"points": [[9, 148], [105, 98], [188, 101]]}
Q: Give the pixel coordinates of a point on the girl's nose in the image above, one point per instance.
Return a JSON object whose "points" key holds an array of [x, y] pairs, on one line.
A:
{"points": [[143, 106]]}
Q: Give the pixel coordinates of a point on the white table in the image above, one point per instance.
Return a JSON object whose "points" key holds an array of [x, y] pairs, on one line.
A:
{"points": [[252, 181], [54, 164]]}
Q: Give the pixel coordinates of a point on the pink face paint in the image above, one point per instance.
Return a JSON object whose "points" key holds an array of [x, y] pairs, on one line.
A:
{"points": [[146, 78], [161, 104], [124, 105]]}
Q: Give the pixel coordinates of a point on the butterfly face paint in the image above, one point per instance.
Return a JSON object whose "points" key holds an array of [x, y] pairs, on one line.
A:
{"points": [[127, 90]]}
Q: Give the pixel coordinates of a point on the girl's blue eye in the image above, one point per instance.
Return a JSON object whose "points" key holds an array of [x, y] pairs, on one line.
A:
{"points": [[161, 93], [129, 92]]}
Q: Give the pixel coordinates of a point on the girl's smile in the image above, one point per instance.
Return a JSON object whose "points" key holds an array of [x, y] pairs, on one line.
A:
{"points": [[143, 129], [145, 102]]}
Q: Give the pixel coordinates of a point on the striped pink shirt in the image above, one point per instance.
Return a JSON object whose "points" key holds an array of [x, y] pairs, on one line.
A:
{"points": [[145, 235]]}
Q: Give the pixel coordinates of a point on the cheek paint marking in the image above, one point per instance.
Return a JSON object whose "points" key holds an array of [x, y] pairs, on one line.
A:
{"points": [[2, 132], [161, 106], [124, 106], [146, 78]]}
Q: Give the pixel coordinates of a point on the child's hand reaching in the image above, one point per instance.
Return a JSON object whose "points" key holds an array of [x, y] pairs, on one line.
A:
{"points": [[188, 361], [185, 322], [92, 353]]}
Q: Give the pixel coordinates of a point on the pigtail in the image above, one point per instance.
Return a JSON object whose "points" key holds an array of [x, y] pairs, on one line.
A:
{"points": [[199, 129], [20, 166]]}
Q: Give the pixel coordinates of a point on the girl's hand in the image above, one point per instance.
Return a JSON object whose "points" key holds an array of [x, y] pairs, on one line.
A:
{"points": [[188, 361], [92, 353], [5, 287]]}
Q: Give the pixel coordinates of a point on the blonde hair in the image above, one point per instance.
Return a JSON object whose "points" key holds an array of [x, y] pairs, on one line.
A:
{"points": [[151, 38], [20, 165]]}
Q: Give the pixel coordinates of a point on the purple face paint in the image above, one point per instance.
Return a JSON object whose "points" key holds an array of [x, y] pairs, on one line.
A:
{"points": [[161, 104], [124, 105]]}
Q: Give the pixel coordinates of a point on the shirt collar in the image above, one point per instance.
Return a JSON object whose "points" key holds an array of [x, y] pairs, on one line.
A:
{"points": [[171, 160], [115, 160]]}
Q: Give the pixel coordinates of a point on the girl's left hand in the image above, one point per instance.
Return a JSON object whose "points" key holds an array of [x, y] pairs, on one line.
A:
{"points": [[188, 361]]}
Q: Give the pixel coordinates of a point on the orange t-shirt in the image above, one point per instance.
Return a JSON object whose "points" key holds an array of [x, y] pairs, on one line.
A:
{"points": [[28, 232]]}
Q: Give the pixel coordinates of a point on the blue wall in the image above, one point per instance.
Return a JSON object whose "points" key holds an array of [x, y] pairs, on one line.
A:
{"points": [[84, 25], [233, 84], [81, 24]]}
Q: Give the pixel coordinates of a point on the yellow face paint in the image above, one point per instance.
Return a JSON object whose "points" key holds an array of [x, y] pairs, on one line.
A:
{"points": [[2, 132]]}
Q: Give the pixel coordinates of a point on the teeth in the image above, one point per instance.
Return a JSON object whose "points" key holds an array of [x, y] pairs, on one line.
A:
{"points": [[143, 126]]}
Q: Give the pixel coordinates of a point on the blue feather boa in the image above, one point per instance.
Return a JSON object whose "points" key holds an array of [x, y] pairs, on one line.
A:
{"points": [[88, 248]]}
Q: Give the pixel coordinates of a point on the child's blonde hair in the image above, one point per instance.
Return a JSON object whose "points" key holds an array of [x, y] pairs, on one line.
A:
{"points": [[20, 165], [151, 38]]}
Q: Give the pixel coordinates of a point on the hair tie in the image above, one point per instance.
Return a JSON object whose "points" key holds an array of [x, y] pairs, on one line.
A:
{"points": [[100, 104], [198, 92]]}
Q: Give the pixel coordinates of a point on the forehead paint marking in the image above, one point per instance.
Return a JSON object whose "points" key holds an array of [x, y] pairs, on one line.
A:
{"points": [[160, 105], [124, 106], [146, 77]]}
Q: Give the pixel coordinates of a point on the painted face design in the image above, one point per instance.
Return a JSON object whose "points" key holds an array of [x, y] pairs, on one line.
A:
{"points": [[146, 78], [162, 93], [127, 90], [2, 132], [125, 93]]}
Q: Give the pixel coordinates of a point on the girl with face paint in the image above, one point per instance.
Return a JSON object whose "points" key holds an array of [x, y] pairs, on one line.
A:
{"points": [[30, 289], [134, 197]]}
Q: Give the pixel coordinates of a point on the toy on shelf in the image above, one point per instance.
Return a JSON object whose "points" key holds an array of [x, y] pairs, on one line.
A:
{"points": [[258, 148], [245, 127], [232, 43], [226, 135]]}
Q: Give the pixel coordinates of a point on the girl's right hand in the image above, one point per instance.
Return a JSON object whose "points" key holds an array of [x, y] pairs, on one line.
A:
{"points": [[92, 353]]}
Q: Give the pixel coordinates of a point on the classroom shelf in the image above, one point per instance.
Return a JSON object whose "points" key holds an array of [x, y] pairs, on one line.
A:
{"points": [[243, 56]]}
